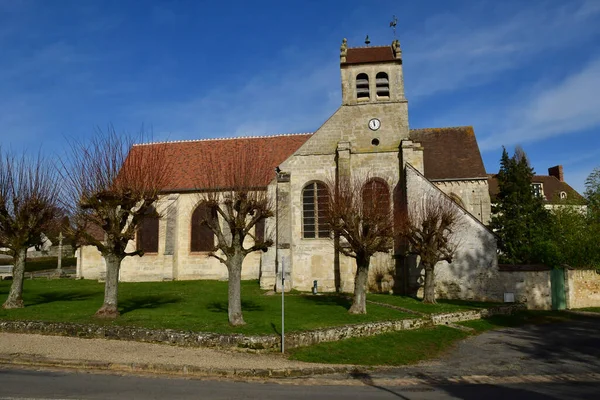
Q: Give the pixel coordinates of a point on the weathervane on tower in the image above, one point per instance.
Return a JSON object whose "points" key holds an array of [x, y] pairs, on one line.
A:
{"points": [[393, 24]]}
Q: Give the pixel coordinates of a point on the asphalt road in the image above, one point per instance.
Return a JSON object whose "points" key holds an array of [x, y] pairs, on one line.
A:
{"points": [[553, 361], [24, 384]]}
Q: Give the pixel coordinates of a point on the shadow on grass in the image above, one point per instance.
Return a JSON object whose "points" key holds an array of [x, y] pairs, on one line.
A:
{"points": [[52, 297], [468, 303], [221, 306], [329, 300], [146, 302]]}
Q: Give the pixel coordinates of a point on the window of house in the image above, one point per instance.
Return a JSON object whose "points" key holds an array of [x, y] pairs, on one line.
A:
{"points": [[147, 233], [382, 84], [202, 238], [537, 189], [376, 197], [314, 209], [563, 195], [362, 86]]}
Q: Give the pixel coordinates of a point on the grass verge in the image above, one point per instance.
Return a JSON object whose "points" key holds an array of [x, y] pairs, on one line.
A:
{"points": [[589, 309], [409, 347], [185, 305], [442, 306]]}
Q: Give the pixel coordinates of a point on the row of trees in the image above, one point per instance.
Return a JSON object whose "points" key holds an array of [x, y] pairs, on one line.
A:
{"points": [[107, 186], [566, 235]]}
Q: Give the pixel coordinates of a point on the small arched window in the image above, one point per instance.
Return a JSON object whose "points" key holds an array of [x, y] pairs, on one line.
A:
{"points": [[362, 86], [456, 198], [376, 197], [382, 84], [563, 195], [202, 238], [147, 233], [315, 199]]}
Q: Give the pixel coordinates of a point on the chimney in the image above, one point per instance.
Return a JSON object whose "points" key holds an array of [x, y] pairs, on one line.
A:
{"points": [[557, 172]]}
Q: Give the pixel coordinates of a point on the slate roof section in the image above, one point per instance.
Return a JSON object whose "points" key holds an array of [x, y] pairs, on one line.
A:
{"points": [[550, 185], [377, 54], [450, 153], [204, 163]]}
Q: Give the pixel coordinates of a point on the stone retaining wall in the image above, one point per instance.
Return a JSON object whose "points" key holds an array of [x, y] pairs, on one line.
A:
{"points": [[239, 341]]}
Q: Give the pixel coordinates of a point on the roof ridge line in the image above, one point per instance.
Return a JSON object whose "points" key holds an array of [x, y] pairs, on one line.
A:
{"points": [[370, 47], [225, 138], [441, 127]]}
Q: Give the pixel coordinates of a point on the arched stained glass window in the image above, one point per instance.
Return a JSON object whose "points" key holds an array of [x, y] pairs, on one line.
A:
{"points": [[315, 200]]}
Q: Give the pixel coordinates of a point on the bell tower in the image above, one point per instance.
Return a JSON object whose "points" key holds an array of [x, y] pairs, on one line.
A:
{"points": [[371, 74]]}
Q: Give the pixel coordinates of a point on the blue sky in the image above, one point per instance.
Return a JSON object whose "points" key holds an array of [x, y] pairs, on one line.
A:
{"points": [[521, 72]]}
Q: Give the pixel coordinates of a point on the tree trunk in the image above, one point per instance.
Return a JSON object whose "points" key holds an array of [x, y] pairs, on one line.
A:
{"points": [[359, 304], [234, 307], [429, 289], [15, 296], [111, 288]]}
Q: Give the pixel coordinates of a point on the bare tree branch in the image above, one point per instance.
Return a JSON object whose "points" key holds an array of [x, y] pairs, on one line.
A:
{"points": [[431, 227], [29, 191], [112, 185]]}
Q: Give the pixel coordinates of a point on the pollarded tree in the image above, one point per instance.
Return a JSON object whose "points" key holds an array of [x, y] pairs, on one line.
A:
{"points": [[360, 212], [29, 191], [233, 191], [113, 185], [431, 228]]}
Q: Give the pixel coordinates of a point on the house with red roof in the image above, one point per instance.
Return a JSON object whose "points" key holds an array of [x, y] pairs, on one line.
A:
{"points": [[368, 134]]}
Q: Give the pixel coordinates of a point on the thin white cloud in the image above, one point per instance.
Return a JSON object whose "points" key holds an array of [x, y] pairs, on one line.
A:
{"points": [[453, 53], [301, 98], [572, 105]]}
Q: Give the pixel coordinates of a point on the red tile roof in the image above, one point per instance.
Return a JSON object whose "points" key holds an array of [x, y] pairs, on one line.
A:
{"points": [[550, 185], [360, 55], [450, 153], [211, 164]]}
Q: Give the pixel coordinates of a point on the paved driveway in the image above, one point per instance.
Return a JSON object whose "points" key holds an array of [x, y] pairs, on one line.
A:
{"points": [[563, 348]]}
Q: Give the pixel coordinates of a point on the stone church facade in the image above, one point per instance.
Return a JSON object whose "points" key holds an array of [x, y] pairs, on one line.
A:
{"points": [[368, 134]]}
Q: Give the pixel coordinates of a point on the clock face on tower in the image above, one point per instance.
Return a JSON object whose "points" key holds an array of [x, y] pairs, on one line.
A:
{"points": [[374, 124]]}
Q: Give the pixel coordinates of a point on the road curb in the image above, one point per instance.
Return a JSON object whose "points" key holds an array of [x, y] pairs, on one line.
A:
{"points": [[172, 369]]}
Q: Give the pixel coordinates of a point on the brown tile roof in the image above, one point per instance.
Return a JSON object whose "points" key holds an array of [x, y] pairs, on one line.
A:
{"points": [[359, 55], [207, 163], [550, 185], [450, 153]]}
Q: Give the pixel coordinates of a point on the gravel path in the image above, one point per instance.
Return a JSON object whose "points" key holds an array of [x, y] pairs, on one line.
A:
{"points": [[122, 352]]}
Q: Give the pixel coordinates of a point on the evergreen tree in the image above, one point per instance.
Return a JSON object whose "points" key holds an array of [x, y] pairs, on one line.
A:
{"points": [[592, 194], [519, 215]]}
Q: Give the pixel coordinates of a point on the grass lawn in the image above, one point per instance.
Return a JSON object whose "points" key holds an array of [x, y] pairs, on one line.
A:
{"points": [[442, 306], [185, 305], [42, 263], [395, 348], [590, 309], [409, 347]]}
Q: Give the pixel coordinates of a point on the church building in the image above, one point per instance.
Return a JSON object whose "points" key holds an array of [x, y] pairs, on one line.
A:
{"points": [[368, 134]]}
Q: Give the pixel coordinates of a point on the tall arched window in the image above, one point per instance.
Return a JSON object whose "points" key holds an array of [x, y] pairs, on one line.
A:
{"points": [[376, 197], [362, 86], [314, 211], [382, 83], [202, 238], [147, 233]]}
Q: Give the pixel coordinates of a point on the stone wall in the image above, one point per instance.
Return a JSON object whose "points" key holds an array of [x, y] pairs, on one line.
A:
{"points": [[473, 274], [473, 194], [531, 285], [583, 288], [174, 260]]}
